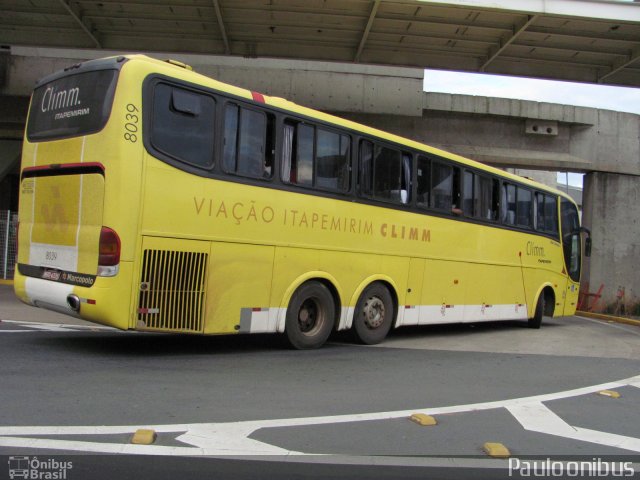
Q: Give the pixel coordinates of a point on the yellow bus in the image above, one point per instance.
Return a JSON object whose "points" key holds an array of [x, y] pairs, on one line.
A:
{"points": [[154, 198]]}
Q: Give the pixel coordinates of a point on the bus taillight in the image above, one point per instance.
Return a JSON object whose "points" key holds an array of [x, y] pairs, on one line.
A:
{"points": [[109, 253]]}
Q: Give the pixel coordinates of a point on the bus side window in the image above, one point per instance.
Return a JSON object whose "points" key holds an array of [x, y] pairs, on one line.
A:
{"points": [[486, 200], [551, 214], [251, 144], [270, 150], [441, 186], [332, 160], [538, 212], [468, 193], [288, 165], [546, 213], [182, 125], [456, 194], [297, 153], [508, 204], [247, 151], [303, 154], [480, 196], [385, 173], [423, 181], [405, 186], [495, 199], [229, 156], [315, 157], [524, 198], [366, 168]]}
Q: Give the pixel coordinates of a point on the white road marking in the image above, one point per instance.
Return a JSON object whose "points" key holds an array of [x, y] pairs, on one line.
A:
{"points": [[537, 417], [232, 438], [54, 327]]}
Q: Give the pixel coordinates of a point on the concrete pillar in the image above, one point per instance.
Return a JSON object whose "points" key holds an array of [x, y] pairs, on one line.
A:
{"points": [[611, 209], [9, 173]]}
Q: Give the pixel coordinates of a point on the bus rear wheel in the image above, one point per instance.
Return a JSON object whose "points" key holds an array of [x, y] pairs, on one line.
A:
{"points": [[536, 321], [310, 316], [373, 315]]}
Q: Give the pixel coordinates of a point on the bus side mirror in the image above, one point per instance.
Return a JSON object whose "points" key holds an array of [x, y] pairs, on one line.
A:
{"points": [[587, 241]]}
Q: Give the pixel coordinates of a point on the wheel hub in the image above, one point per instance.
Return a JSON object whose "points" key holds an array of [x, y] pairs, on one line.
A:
{"points": [[373, 312], [307, 316]]}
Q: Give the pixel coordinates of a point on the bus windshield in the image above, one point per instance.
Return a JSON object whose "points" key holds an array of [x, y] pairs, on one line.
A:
{"points": [[571, 238], [71, 105]]}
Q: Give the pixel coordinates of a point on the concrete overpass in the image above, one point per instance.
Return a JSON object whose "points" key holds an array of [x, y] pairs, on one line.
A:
{"points": [[580, 40]]}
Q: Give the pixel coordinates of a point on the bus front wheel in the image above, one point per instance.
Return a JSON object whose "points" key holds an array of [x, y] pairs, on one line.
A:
{"points": [[536, 321], [373, 315], [310, 316]]}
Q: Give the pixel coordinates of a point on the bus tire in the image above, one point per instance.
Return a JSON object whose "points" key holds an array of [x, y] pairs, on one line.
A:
{"points": [[536, 321], [310, 316], [373, 316]]}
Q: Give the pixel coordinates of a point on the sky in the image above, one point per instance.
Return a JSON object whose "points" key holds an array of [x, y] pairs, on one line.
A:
{"points": [[622, 99]]}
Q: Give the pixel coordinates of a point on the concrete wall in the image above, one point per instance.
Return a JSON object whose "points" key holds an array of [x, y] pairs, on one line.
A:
{"points": [[611, 209]]}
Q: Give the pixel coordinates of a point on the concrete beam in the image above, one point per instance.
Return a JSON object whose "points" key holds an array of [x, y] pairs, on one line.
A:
{"points": [[492, 139], [495, 51], [494, 131], [524, 158], [621, 64], [74, 11], [367, 29], [74, 55], [321, 85], [510, 108], [619, 11], [223, 30]]}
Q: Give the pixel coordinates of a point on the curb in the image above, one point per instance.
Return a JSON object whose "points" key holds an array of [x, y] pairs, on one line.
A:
{"points": [[6, 282], [609, 318]]}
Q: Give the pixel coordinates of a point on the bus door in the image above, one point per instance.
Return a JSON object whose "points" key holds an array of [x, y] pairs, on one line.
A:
{"points": [[572, 250]]}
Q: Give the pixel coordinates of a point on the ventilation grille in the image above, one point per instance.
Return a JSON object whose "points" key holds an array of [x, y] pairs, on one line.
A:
{"points": [[172, 291]]}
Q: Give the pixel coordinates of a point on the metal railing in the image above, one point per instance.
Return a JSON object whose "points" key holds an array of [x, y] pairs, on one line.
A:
{"points": [[8, 244]]}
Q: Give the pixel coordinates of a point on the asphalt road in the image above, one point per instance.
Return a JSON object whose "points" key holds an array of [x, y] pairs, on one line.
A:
{"points": [[249, 407]]}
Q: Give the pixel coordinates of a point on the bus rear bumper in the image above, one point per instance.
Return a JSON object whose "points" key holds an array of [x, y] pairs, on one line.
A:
{"points": [[105, 303], [48, 295]]}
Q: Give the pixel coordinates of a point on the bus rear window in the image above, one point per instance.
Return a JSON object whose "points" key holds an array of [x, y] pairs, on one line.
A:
{"points": [[73, 105]]}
